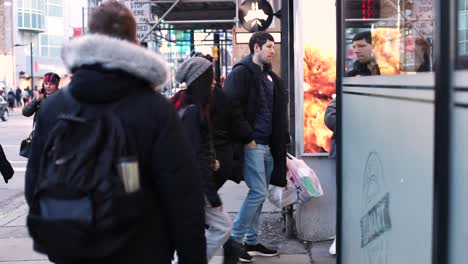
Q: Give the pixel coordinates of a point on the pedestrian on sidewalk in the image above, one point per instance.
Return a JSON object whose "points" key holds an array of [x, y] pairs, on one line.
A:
{"points": [[225, 131], [115, 78], [49, 86], [192, 105], [11, 99], [18, 96], [256, 95], [330, 122]]}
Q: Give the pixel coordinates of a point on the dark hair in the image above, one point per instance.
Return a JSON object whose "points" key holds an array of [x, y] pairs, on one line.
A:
{"points": [[198, 93], [259, 38], [51, 77], [366, 35], [113, 19], [199, 90]]}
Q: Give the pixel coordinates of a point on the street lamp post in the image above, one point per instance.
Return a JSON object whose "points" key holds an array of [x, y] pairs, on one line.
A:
{"points": [[32, 59], [32, 66]]}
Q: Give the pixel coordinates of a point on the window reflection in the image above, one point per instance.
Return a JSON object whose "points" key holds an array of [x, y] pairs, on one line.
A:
{"points": [[365, 63], [401, 33]]}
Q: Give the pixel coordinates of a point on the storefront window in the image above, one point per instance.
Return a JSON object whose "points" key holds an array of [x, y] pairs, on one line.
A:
{"points": [[462, 38], [387, 37]]}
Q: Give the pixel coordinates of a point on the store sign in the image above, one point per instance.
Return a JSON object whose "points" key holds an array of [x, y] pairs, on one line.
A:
{"points": [[423, 13], [255, 15], [142, 12]]}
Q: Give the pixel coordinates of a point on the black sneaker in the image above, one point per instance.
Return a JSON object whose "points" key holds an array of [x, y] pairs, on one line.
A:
{"points": [[244, 256], [260, 250]]}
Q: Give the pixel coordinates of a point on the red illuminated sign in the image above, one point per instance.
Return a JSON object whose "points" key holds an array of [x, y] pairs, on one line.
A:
{"points": [[368, 9]]}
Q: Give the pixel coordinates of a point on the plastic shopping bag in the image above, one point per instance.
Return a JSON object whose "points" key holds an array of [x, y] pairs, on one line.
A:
{"points": [[283, 196], [304, 178]]}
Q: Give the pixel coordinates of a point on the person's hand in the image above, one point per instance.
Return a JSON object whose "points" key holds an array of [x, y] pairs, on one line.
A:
{"points": [[39, 96], [251, 144], [217, 165]]}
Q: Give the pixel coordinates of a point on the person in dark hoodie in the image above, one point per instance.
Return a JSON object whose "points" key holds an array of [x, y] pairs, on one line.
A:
{"points": [[365, 64], [109, 66], [257, 97], [192, 105]]}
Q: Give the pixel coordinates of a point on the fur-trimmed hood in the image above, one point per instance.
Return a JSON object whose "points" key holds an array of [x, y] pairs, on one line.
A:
{"points": [[116, 54]]}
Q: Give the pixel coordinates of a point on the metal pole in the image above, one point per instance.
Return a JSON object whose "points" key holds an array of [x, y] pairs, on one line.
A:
{"points": [[32, 66], [218, 56], [287, 68], [225, 54], [340, 47], [160, 20], [445, 54], [237, 13], [82, 20], [13, 57]]}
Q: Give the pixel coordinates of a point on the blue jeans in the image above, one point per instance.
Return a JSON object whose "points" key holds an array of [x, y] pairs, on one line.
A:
{"points": [[258, 166]]}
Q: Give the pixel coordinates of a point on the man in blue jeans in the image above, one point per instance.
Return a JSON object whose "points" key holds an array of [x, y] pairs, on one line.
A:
{"points": [[259, 100]]}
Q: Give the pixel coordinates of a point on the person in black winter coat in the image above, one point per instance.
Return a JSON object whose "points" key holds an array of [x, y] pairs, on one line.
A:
{"points": [[258, 98], [11, 99], [49, 86], [330, 122], [192, 105], [225, 133], [18, 96], [108, 66]]}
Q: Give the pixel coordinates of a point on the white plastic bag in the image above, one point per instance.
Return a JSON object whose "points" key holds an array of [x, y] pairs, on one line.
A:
{"points": [[304, 178], [283, 196]]}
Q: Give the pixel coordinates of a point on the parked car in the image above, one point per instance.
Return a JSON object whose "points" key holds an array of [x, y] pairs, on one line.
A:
{"points": [[4, 114]]}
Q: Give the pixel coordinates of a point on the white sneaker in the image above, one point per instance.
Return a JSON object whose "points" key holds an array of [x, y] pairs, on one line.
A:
{"points": [[332, 249]]}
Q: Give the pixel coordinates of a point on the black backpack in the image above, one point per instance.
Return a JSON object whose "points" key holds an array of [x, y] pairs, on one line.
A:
{"points": [[80, 208]]}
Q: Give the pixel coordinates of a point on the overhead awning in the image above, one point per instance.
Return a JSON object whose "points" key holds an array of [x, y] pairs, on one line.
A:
{"points": [[197, 14]]}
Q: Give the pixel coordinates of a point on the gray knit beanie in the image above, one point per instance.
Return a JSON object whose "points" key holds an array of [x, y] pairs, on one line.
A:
{"points": [[191, 69]]}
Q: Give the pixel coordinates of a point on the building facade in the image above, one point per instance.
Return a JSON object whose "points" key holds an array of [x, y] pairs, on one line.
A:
{"points": [[38, 30], [6, 45]]}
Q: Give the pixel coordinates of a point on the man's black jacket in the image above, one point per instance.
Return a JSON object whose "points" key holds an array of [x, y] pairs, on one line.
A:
{"points": [[242, 87]]}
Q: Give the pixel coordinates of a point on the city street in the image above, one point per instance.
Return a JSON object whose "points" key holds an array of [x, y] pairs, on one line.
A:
{"points": [[16, 245]]}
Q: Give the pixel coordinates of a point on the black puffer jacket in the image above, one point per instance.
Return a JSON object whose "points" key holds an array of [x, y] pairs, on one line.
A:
{"points": [[361, 69], [242, 88], [199, 136], [106, 70], [225, 132], [31, 108]]}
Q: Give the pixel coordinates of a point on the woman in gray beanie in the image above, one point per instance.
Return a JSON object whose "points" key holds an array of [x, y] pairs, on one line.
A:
{"points": [[192, 105]]}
